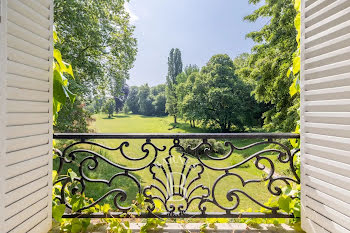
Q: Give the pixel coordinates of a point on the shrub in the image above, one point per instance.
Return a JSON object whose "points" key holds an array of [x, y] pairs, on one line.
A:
{"points": [[218, 148]]}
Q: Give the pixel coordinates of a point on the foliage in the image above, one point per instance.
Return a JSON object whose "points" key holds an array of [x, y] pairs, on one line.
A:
{"points": [[60, 83], [174, 69], [145, 100], [73, 118], [120, 97], [97, 39], [218, 96], [159, 104], [269, 61], [109, 107], [133, 100], [217, 147]]}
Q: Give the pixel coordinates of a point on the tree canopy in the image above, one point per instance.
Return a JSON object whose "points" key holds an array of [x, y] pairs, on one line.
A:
{"points": [[97, 40], [267, 65]]}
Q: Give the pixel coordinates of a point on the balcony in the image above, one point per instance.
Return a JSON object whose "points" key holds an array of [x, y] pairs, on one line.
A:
{"points": [[178, 175]]}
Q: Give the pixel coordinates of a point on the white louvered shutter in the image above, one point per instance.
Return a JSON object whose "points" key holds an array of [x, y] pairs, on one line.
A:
{"points": [[325, 116], [26, 115]]}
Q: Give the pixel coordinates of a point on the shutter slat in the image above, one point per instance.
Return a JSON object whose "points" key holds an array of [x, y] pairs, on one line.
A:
{"points": [[24, 34], [26, 166], [328, 129], [14, 106], [27, 177], [328, 93], [328, 58], [26, 23], [26, 130], [27, 83], [27, 71], [26, 154], [24, 203], [332, 142], [327, 107], [27, 59], [330, 189], [27, 47], [328, 46], [15, 119], [324, 222], [340, 15], [26, 214], [14, 93], [328, 164], [327, 176], [29, 13], [39, 8], [329, 34], [26, 142], [328, 153], [328, 82], [18, 194], [33, 221]]}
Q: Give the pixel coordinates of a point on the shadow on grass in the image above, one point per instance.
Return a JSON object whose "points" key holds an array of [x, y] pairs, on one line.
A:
{"points": [[115, 117], [144, 116]]}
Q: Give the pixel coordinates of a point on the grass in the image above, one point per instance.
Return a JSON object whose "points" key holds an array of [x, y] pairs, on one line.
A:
{"points": [[140, 124]]}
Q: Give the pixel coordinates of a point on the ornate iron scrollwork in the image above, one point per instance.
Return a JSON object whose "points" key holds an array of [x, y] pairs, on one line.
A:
{"points": [[178, 190]]}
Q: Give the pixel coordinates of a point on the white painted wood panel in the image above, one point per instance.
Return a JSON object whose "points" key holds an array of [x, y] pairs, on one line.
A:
{"points": [[325, 116], [26, 58]]}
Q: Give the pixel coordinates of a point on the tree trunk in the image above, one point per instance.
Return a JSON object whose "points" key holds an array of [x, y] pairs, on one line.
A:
{"points": [[175, 121]]}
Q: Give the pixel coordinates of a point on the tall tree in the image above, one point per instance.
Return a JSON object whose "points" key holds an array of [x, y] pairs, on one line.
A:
{"points": [[133, 100], [270, 60], [120, 96], [97, 39], [145, 100], [174, 69]]}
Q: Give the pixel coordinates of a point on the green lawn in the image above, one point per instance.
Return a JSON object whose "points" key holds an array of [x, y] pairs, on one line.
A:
{"points": [[141, 124]]}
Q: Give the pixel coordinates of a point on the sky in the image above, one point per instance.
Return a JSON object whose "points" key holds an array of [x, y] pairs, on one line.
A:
{"points": [[199, 28]]}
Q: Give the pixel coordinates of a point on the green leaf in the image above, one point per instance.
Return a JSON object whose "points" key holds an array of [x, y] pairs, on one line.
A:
{"points": [[59, 93], [283, 203], [54, 176], [296, 65], [72, 174], [76, 226], [58, 211], [77, 202]]}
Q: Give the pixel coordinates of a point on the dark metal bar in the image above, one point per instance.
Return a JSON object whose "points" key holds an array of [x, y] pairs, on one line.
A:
{"points": [[177, 215], [175, 136]]}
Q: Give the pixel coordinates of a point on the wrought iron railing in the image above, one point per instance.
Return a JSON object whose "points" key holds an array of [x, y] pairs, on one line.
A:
{"points": [[193, 182]]}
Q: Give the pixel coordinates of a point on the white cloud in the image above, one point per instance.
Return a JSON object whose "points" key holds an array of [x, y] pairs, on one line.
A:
{"points": [[133, 16]]}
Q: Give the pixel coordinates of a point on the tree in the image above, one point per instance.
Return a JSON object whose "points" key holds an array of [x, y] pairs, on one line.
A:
{"points": [[174, 69], [159, 104], [145, 100], [121, 96], [187, 108], [133, 100], [269, 61], [109, 107], [97, 39], [219, 96]]}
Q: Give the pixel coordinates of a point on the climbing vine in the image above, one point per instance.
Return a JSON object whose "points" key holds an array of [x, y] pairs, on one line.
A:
{"points": [[60, 81]]}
